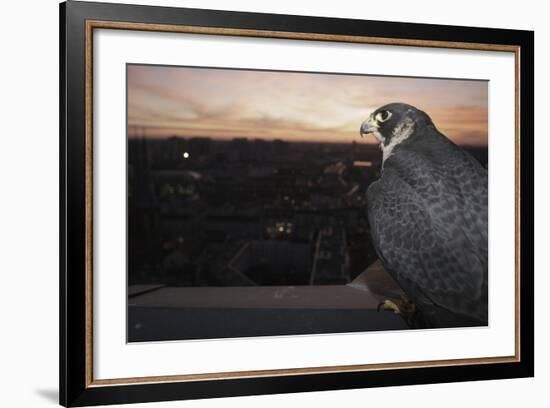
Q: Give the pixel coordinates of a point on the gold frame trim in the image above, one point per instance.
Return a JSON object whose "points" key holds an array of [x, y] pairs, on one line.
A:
{"points": [[98, 24]]}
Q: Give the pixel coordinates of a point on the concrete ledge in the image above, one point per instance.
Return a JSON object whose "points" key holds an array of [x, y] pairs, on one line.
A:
{"points": [[182, 313], [257, 297], [163, 324]]}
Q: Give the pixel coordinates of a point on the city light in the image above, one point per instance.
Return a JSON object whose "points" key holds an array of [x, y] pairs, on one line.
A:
{"points": [[185, 155], [362, 163]]}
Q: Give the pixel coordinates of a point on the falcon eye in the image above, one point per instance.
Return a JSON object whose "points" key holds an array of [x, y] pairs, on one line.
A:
{"points": [[383, 116]]}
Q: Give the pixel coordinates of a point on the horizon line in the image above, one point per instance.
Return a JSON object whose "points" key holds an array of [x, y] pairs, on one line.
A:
{"points": [[229, 139]]}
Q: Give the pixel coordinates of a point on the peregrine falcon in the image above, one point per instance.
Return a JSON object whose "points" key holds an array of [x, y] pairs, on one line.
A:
{"points": [[428, 217]]}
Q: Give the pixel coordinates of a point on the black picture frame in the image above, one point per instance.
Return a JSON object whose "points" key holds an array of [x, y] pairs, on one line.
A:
{"points": [[76, 383]]}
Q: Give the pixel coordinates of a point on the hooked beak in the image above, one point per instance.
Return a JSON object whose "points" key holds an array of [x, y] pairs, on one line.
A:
{"points": [[368, 126]]}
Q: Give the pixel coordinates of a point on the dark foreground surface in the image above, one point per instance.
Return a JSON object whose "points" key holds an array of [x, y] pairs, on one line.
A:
{"points": [[162, 324], [157, 313]]}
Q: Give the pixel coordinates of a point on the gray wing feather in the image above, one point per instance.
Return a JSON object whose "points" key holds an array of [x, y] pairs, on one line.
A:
{"points": [[428, 218]]}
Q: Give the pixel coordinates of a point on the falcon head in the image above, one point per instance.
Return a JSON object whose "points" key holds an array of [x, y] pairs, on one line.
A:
{"points": [[393, 123]]}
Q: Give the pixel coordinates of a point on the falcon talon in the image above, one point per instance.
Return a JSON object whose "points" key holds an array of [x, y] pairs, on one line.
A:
{"points": [[389, 306]]}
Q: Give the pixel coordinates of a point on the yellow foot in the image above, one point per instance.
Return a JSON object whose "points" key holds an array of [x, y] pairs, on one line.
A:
{"points": [[389, 305]]}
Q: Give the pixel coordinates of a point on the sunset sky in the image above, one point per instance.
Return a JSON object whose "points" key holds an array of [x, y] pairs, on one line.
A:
{"points": [[221, 103]]}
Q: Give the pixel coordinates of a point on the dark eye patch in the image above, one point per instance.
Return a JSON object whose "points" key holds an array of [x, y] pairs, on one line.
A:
{"points": [[384, 115]]}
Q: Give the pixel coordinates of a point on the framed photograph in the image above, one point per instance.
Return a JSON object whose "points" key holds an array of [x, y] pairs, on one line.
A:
{"points": [[256, 203]]}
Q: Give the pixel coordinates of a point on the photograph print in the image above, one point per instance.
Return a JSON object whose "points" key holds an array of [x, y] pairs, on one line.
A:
{"points": [[263, 203]]}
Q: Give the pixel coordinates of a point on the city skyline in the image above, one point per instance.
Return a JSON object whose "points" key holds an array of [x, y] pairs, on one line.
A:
{"points": [[223, 104]]}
